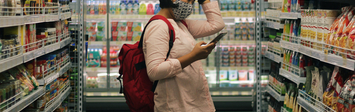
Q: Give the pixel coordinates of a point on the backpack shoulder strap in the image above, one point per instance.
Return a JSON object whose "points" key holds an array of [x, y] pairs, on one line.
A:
{"points": [[184, 22], [171, 39]]}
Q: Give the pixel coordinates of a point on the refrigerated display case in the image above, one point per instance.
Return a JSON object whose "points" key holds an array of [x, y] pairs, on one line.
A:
{"points": [[230, 69]]}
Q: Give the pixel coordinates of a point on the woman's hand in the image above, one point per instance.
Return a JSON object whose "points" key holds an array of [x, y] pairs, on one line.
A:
{"points": [[201, 52]]}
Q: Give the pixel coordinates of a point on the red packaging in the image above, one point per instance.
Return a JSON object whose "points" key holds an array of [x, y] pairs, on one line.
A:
{"points": [[129, 36], [114, 35], [129, 26], [114, 26]]}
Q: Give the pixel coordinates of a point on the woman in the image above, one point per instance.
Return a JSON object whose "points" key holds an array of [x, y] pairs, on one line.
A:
{"points": [[182, 83]]}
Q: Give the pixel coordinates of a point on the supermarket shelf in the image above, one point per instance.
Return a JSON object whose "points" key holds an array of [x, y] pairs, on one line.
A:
{"points": [[289, 45], [328, 58], [102, 69], [320, 55], [273, 25], [238, 68], [290, 15], [27, 100], [306, 105], [222, 42], [8, 21], [11, 62], [275, 94], [235, 42], [147, 17], [294, 78], [55, 75], [273, 56], [58, 101]]}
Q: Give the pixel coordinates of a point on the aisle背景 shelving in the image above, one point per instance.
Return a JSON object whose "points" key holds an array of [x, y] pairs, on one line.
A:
{"points": [[318, 46], [34, 55]]}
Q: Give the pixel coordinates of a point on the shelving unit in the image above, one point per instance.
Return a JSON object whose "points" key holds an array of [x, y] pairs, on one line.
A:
{"points": [[27, 52], [26, 100], [275, 94], [273, 56], [293, 77]]}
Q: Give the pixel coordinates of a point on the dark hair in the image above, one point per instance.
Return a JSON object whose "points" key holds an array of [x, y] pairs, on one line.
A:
{"points": [[167, 4]]}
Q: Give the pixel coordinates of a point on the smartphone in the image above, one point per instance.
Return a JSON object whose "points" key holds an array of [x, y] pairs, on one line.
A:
{"points": [[215, 40]]}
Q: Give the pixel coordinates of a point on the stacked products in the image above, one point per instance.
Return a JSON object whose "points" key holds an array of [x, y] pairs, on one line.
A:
{"points": [[232, 75], [98, 57], [244, 29], [291, 30], [238, 56], [276, 81], [126, 31], [49, 63], [129, 7], [30, 7], [9, 43], [295, 62], [236, 5], [48, 33], [96, 31], [53, 90]]}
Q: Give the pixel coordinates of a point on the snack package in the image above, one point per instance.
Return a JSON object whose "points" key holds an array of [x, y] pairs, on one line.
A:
{"points": [[129, 26], [114, 26], [100, 36], [122, 26], [129, 36], [122, 36], [114, 36], [350, 44], [136, 36], [137, 26]]}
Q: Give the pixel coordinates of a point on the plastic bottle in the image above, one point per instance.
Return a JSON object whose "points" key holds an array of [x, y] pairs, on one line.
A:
{"points": [[136, 7], [142, 8], [96, 7], [156, 8], [88, 7], [196, 7], [112, 7], [150, 8], [117, 5], [123, 7], [101, 4], [130, 7], [104, 8]]}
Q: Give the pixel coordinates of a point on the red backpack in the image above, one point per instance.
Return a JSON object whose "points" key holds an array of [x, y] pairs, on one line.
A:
{"points": [[138, 90]]}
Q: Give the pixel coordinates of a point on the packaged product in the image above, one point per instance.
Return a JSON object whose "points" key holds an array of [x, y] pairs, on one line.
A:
{"points": [[136, 36], [243, 75], [137, 26], [114, 36], [129, 36], [100, 36], [122, 26], [122, 36], [114, 26], [129, 26]]}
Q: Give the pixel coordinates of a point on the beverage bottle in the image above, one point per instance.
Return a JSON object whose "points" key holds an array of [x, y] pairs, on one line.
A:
{"points": [[142, 8], [130, 7], [101, 3], [150, 9], [96, 7], [88, 7], [117, 5], [156, 8], [104, 8], [136, 7], [123, 10]]}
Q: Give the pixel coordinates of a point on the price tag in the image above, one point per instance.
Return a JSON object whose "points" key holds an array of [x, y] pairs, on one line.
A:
{"points": [[215, 93], [225, 93], [245, 93]]}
